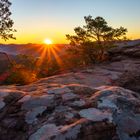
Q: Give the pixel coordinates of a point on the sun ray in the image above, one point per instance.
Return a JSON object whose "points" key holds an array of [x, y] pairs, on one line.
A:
{"points": [[50, 54], [42, 56], [57, 57]]}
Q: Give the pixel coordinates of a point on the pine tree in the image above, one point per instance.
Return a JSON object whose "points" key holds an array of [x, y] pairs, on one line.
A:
{"points": [[93, 39]]}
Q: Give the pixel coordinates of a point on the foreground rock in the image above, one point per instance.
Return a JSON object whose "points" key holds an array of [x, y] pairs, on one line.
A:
{"points": [[121, 69], [67, 112], [88, 104], [127, 60]]}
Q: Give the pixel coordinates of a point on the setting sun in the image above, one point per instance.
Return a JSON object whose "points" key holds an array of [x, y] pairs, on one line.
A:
{"points": [[48, 41]]}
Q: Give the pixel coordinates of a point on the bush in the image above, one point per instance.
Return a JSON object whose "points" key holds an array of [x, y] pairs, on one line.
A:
{"points": [[48, 68], [21, 77], [27, 61]]}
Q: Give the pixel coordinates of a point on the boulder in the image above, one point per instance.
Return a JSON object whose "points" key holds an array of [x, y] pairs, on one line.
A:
{"points": [[108, 113]]}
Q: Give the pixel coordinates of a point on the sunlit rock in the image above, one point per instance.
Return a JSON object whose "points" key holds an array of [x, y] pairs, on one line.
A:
{"points": [[4, 92], [25, 98]]}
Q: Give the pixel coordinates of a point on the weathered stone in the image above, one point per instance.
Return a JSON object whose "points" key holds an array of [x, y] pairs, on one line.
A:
{"points": [[4, 92], [130, 80], [62, 108], [128, 126], [96, 115], [25, 98], [2, 104], [45, 100], [68, 132], [82, 89], [69, 96], [79, 104], [59, 90], [45, 132], [13, 96], [106, 103], [62, 115], [32, 114]]}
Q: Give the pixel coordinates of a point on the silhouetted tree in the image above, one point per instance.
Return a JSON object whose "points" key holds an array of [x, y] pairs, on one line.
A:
{"points": [[6, 23], [93, 39]]}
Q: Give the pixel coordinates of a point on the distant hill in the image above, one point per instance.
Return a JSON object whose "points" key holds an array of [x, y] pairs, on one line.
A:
{"points": [[37, 49], [28, 49], [129, 43]]}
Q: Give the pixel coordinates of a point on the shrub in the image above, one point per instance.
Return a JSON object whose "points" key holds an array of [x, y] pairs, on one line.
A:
{"points": [[48, 68], [21, 76], [27, 61]]}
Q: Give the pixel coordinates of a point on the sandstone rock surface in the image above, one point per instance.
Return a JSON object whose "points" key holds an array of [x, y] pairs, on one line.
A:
{"points": [[90, 104], [104, 114]]}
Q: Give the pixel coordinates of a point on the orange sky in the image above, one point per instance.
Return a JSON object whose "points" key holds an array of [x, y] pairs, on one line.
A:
{"points": [[35, 21]]}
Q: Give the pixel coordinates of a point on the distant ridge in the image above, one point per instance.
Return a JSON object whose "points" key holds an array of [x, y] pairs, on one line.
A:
{"points": [[36, 49]]}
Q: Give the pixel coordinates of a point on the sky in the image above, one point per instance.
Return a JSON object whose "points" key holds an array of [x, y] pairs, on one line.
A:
{"points": [[36, 20]]}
